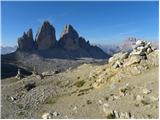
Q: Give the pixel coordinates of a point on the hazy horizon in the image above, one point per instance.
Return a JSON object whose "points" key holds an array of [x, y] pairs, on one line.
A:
{"points": [[99, 22]]}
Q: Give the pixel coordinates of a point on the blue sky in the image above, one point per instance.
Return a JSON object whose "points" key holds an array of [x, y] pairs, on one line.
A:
{"points": [[98, 22]]}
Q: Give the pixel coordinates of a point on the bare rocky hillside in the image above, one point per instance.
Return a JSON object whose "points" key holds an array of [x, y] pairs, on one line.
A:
{"points": [[125, 86]]}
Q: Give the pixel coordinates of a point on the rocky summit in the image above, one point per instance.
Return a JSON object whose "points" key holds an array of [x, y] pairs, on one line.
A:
{"points": [[69, 38], [26, 42], [69, 45], [45, 37]]}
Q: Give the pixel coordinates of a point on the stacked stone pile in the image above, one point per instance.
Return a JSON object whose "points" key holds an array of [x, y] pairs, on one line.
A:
{"points": [[140, 52]]}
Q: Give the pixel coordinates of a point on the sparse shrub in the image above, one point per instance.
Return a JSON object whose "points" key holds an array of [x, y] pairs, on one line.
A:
{"points": [[20, 106], [20, 113], [107, 98], [30, 86], [136, 105], [79, 83], [50, 101], [144, 102], [58, 83], [111, 116], [89, 102]]}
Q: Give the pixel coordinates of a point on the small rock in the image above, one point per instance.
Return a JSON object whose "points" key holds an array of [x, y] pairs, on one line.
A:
{"points": [[106, 105], [89, 102], [116, 97], [154, 98], [146, 91], [13, 98], [100, 102], [108, 112], [55, 114], [47, 116], [116, 114], [127, 115], [65, 117], [47, 73], [40, 76], [149, 50], [139, 98], [133, 60], [146, 101], [75, 108], [122, 115], [117, 64]]}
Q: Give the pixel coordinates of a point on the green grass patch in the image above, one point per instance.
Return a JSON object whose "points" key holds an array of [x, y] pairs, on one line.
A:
{"points": [[79, 83]]}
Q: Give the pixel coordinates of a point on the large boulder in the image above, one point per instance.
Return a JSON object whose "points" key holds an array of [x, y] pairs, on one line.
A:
{"points": [[69, 38], [45, 37], [26, 42], [134, 59], [118, 56], [153, 58]]}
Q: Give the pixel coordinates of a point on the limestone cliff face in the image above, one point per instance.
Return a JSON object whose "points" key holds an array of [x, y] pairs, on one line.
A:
{"points": [[69, 38], [45, 37], [70, 43], [26, 42]]}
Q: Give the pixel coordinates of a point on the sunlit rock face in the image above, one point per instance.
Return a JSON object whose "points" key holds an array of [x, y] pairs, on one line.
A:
{"points": [[69, 38]]}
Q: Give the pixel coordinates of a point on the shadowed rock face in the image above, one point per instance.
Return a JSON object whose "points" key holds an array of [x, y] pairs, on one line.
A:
{"points": [[45, 37], [70, 45], [26, 42], [69, 38]]}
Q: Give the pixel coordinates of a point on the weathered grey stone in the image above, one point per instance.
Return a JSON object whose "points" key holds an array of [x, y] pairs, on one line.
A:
{"points": [[117, 64], [153, 58], [48, 73], [137, 52], [45, 37], [118, 56], [47, 116], [139, 98], [108, 112], [55, 114], [133, 60], [146, 91], [149, 50]]}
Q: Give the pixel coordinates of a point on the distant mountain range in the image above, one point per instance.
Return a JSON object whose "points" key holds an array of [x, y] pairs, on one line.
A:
{"points": [[109, 49], [7, 49], [125, 46]]}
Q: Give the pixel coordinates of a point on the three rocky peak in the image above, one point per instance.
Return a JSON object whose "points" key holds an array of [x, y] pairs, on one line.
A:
{"points": [[46, 39]]}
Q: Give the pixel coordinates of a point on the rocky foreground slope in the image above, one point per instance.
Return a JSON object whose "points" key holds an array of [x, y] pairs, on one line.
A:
{"points": [[126, 86]]}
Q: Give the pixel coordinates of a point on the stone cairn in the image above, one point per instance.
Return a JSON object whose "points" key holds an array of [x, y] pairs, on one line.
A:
{"points": [[140, 51], [142, 48], [19, 75], [34, 72]]}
